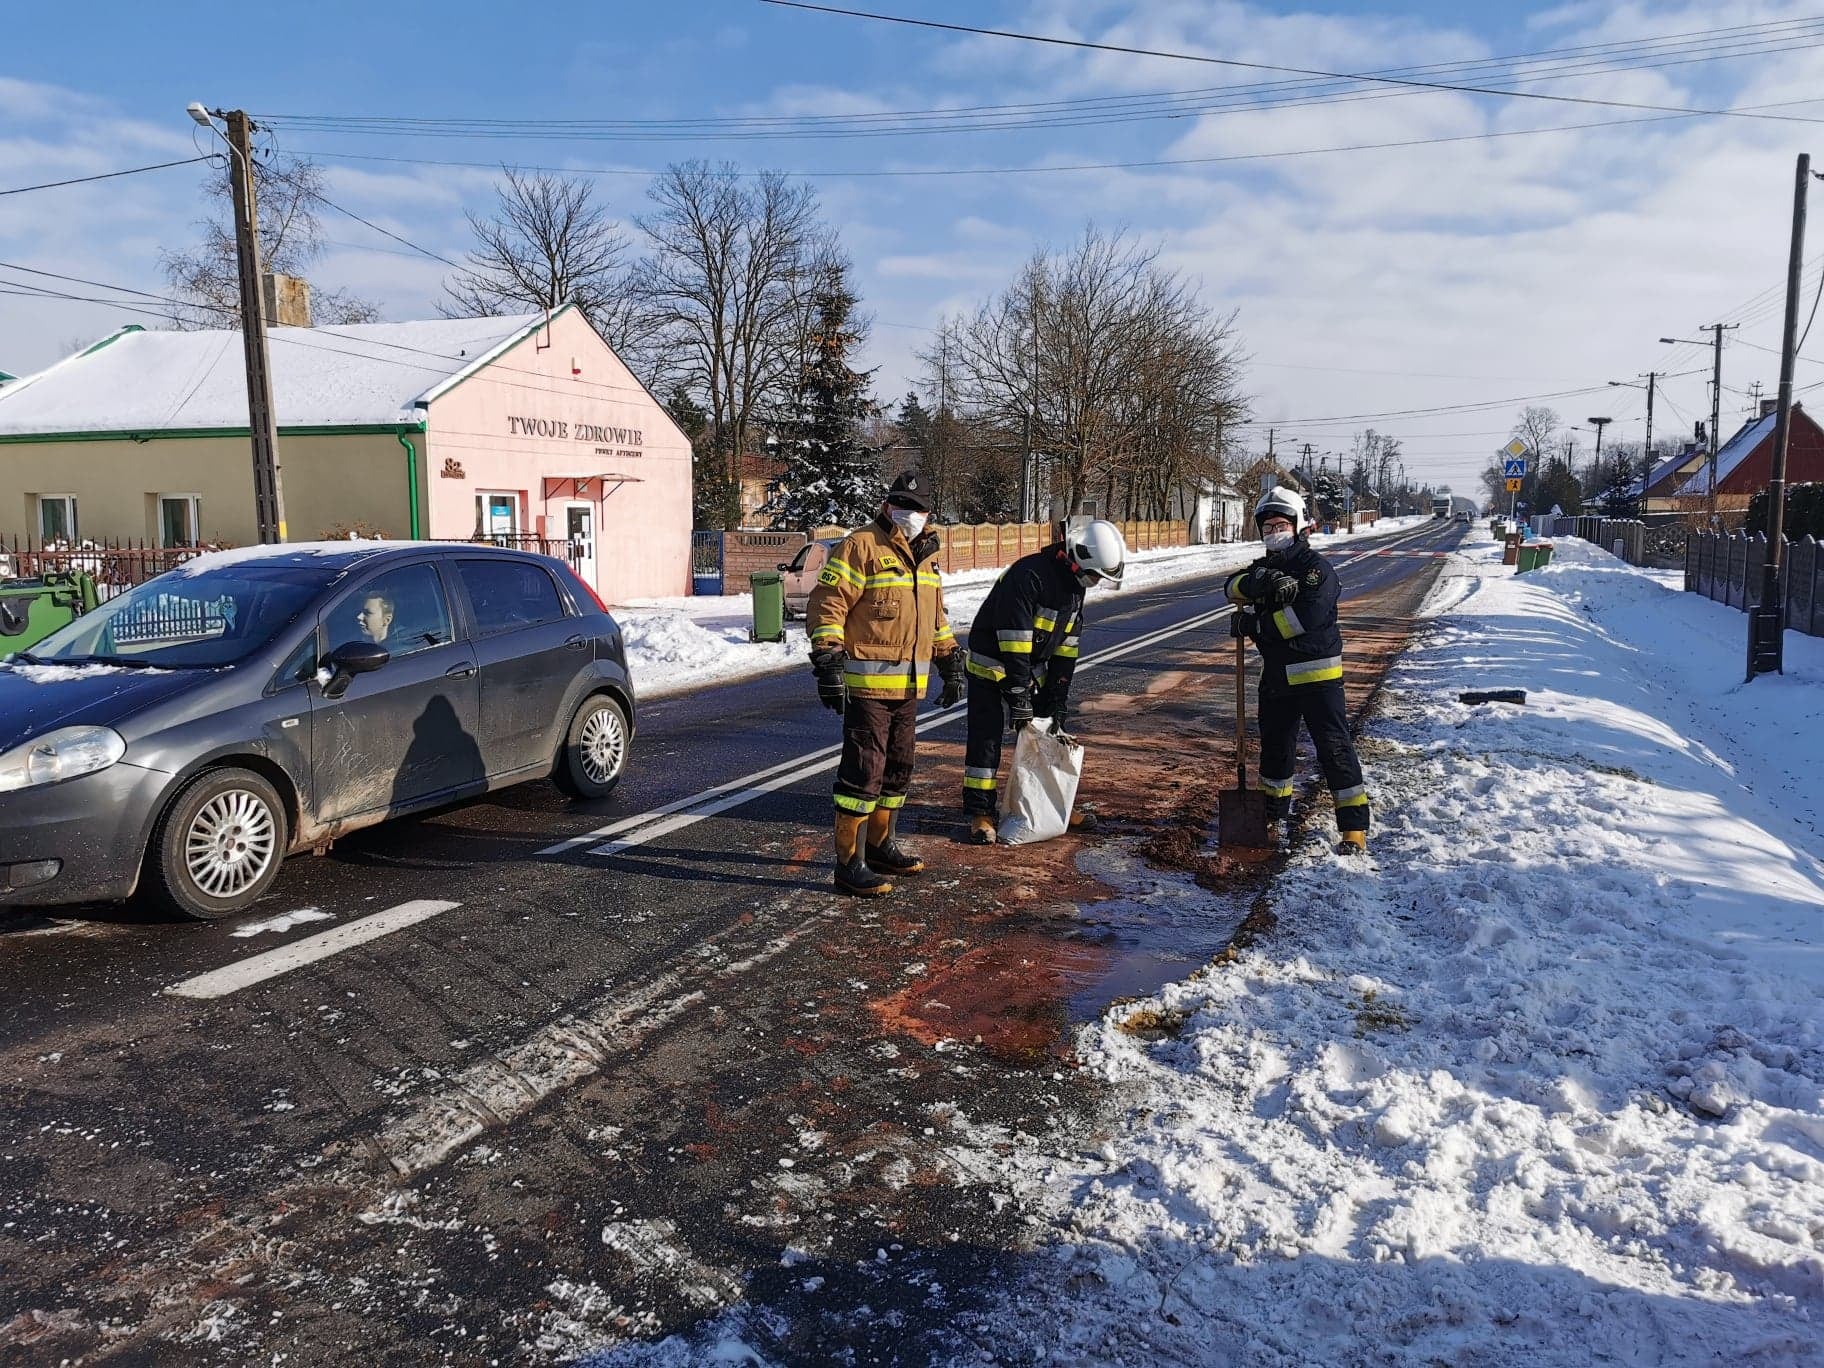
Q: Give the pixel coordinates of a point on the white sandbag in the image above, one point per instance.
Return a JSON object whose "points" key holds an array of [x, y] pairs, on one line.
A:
{"points": [[1043, 786]]}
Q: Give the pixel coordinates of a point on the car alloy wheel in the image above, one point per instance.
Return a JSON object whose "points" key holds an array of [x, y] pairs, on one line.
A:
{"points": [[230, 844], [602, 747]]}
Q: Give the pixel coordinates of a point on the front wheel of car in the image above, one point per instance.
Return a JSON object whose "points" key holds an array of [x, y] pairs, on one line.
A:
{"points": [[594, 753], [219, 845]]}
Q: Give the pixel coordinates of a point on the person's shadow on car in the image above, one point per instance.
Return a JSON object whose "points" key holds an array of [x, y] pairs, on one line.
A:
{"points": [[440, 745]]}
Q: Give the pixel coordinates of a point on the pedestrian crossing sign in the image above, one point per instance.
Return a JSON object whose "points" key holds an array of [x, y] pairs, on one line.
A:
{"points": [[1513, 486], [1514, 470]]}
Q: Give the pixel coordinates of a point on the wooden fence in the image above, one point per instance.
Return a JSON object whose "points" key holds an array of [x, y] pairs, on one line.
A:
{"points": [[1728, 569]]}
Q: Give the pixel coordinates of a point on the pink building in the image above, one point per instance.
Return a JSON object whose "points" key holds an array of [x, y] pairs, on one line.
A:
{"points": [[521, 427]]}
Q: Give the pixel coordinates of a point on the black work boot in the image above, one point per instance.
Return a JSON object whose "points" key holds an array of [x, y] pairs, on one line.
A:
{"points": [[884, 852], [983, 827], [852, 872]]}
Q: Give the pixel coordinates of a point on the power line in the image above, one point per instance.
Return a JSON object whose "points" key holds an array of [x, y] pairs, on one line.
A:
{"points": [[1366, 77], [106, 175], [916, 173], [422, 251]]}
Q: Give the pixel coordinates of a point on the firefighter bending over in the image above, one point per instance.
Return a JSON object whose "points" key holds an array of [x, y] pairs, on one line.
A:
{"points": [[876, 621], [1023, 650]]}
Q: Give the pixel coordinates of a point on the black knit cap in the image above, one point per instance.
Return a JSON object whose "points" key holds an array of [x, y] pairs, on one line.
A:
{"points": [[908, 491]]}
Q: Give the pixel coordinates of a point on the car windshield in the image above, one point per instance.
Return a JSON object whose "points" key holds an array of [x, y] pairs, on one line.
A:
{"points": [[190, 621]]}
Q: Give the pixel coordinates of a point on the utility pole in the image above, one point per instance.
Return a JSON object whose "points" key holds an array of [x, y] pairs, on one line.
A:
{"points": [[268, 488], [1767, 620], [1716, 330], [1646, 460]]}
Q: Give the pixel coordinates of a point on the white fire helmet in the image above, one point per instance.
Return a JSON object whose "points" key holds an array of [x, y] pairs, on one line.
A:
{"points": [[1287, 503], [1096, 548]]}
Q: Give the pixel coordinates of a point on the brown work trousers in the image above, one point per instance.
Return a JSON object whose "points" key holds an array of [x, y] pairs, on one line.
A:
{"points": [[878, 736]]}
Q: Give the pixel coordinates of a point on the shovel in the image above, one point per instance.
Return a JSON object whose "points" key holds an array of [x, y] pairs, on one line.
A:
{"points": [[1241, 811]]}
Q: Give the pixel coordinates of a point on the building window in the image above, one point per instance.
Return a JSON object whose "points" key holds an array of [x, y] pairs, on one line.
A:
{"points": [[179, 520], [496, 514], [56, 518]]}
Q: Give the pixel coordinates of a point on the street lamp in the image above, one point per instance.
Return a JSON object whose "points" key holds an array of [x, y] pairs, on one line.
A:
{"points": [[1716, 331]]}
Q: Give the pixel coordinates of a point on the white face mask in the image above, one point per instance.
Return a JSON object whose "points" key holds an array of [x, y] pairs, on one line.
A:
{"points": [[1279, 541], [909, 521]]}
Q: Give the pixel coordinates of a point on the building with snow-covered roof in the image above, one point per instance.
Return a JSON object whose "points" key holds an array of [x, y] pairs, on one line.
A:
{"points": [[1744, 464], [514, 427]]}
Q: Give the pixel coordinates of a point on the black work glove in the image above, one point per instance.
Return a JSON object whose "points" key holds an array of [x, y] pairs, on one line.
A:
{"points": [[1058, 711], [1019, 708], [832, 692], [951, 666], [1281, 588]]}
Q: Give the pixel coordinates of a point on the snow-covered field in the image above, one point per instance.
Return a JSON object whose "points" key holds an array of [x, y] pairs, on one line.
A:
{"points": [[675, 644], [1544, 1084]]}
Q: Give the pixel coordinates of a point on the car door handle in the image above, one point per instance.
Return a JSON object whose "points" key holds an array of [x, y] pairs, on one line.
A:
{"points": [[575, 643], [459, 672]]}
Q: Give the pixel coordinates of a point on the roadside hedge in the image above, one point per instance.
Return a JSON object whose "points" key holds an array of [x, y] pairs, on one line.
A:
{"points": [[1804, 512]]}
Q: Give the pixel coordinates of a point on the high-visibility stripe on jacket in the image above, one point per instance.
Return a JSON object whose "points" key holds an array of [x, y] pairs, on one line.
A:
{"points": [[1028, 631], [1300, 643], [883, 606]]}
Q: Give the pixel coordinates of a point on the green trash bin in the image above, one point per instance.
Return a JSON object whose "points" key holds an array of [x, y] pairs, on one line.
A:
{"points": [[31, 609], [769, 606], [1545, 556], [1528, 558]]}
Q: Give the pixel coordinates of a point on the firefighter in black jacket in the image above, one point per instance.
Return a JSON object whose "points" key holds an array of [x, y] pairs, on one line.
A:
{"points": [[1289, 600], [1023, 649]]}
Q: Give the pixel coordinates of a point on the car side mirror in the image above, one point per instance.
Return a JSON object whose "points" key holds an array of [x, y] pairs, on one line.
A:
{"points": [[350, 659], [783, 565]]}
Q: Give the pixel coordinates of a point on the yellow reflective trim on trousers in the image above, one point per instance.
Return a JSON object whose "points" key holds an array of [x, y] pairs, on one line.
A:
{"points": [[1273, 788], [897, 800], [984, 784], [859, 805], [1359, 800]]}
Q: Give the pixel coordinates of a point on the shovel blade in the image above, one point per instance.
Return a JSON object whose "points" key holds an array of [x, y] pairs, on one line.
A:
{"points": [[1241, 816]]}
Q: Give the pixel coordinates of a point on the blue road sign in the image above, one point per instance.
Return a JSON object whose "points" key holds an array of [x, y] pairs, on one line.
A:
{"points": [[1514, 470]]}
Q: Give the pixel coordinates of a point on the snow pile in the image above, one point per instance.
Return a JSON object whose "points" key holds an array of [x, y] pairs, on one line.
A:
{"points": [[1542, 1085]]}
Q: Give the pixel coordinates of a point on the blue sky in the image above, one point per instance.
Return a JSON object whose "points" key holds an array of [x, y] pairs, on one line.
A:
{"points": [[1366, 282]]}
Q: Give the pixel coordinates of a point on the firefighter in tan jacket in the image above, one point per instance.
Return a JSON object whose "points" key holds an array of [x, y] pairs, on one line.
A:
{"points": [[877, 624]]}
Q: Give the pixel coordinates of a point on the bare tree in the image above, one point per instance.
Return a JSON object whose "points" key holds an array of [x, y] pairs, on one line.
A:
{"points": [[548, 243], [1125, 382], [287, 192], [729, 283]]}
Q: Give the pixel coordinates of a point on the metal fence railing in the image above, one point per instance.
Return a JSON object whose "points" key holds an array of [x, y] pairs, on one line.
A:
{"points": [[115, 566]]}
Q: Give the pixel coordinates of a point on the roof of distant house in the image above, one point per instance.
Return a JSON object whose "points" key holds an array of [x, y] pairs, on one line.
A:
{"points": [[1734, 451], [139, 381]]}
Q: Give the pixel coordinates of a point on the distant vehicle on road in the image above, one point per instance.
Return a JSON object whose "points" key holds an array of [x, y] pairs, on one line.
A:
{"points": [[186, 736], [1440, 506], [801, 573]]}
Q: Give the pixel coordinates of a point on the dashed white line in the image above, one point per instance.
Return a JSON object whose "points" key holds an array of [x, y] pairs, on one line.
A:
{"points": [[254, 969]]}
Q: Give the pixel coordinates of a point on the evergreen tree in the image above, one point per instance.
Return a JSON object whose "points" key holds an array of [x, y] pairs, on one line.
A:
{"points": [[830, 477]]}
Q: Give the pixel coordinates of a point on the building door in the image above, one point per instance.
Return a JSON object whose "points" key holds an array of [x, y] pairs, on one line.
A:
{"points": [[579, 528]]}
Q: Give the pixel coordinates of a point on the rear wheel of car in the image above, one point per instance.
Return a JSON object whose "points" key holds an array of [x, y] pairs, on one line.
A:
{"points": [[595, 750], [219, 845]]}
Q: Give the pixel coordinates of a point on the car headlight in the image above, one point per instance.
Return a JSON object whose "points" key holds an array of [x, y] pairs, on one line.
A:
{"points": [[59, 755]]}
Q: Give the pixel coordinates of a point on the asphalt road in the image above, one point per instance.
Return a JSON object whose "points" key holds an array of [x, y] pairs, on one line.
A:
{"points": [[606, 1064]]}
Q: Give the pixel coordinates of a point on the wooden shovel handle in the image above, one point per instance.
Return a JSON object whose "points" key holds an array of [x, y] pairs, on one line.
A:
{"points": [[1241, 713]]}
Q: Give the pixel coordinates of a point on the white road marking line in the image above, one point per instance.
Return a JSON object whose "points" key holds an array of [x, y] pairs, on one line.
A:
{"points": [[499, 1089], [258, 968]]}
